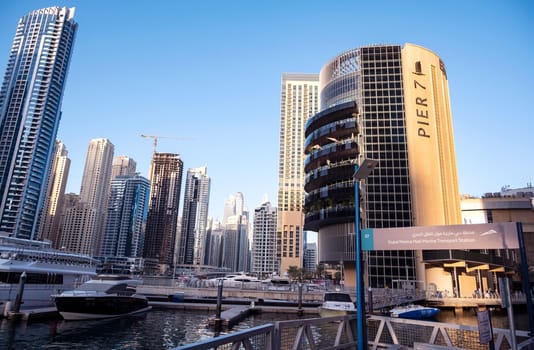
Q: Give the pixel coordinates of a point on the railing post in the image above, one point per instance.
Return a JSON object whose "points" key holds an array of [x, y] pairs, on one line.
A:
{"points": [[276, 337]]}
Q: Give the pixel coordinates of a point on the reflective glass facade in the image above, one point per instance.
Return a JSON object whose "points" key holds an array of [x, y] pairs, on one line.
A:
{"points": [[126, 217], [30, 102]]}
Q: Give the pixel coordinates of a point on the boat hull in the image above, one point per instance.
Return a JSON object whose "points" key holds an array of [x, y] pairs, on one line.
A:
{"points": [[326, 312], [417, 314], [86, 308]]}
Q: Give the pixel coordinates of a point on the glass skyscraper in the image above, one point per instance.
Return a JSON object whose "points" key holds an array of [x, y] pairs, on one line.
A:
{"points": [[126, 217], [192, 242], [30, 103]]}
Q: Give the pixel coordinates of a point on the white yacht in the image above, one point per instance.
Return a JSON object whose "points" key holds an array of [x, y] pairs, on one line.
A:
{"points": [[48, 271], [107, 296], [336, 304], [239, 280]]}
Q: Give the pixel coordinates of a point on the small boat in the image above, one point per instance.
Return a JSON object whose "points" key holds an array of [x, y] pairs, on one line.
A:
{"points": [[336, 304], [414, 312], [103, 297]]}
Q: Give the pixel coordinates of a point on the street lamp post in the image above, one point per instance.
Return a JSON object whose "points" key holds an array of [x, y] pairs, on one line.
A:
{"points": [[360, 173]]}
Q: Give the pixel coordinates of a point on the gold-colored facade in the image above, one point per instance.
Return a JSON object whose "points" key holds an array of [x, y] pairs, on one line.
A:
{"points": [[299, 101], [429, 132]]}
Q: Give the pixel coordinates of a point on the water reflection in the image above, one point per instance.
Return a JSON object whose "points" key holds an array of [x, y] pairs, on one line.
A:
{"points": [[166, 329]]}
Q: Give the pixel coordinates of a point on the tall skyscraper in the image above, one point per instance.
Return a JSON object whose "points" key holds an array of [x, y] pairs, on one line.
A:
{"points": [[85, 221], [235, 244], [229, 208], [192, 243], [30, 111], [235, 253], [160, 235], [299, 101], [264, 258], [391, 104], [49, 225], [78, 228], [126, 217], [123, 165], [96, 179], [214, 243], [97, 173], [310, 257]]}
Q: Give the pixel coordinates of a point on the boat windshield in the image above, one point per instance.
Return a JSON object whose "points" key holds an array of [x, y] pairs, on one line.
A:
{"points": [[108, 288], [343, 297]]}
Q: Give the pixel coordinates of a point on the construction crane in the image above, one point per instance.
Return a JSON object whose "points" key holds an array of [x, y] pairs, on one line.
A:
{"points": [[155, 139]]}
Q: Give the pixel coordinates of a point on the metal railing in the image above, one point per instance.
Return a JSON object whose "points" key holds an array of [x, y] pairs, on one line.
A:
{"points": [[336, 333]]}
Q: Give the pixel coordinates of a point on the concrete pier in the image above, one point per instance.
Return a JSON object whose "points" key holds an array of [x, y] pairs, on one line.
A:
{"points": [[33, 314], [230, 317]]}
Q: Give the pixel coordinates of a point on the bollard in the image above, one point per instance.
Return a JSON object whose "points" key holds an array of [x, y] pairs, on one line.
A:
{"points": [[18, 299], [218, 321], [300, 311]]}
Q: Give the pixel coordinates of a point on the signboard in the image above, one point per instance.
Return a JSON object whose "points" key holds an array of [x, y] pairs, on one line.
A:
{"points": [[501, 235], [484, 327]]}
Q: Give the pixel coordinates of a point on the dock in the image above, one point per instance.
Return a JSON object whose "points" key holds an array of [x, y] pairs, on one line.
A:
{"points": [[32, 314], [230, 317]]}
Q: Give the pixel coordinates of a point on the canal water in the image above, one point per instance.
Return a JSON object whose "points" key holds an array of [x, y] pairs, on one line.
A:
{"points": [[162, 330]]}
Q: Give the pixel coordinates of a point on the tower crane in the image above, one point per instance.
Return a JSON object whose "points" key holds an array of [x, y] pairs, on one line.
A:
{"points": [[156, 137]]}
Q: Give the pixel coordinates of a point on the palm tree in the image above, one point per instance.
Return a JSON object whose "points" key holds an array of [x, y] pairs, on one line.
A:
{"points": [[319, 270], [295, 273]]}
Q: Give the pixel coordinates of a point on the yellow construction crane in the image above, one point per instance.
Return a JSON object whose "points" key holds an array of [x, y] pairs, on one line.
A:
{"points": [[155, 139]]}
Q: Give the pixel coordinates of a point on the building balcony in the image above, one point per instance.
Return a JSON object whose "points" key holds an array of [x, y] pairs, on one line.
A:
{"points": [[317, 218]]}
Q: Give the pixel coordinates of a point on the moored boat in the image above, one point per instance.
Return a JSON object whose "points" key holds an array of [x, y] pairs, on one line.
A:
{"points": [[413, 311], [47, 271], [103, 297], [336, 304]]}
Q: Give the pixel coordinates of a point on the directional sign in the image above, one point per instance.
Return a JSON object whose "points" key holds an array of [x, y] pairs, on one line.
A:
{"points": [[476, 236]]}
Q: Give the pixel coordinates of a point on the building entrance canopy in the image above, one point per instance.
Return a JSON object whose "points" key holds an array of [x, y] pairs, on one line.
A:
{"points": [[502, 235]]}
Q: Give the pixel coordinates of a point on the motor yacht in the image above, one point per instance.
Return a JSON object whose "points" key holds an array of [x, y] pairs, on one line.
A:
{"points": [[103, 297], [336, 304]]}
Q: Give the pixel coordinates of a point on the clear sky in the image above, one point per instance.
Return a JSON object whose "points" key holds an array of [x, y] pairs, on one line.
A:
{"points": [[207, 75]]}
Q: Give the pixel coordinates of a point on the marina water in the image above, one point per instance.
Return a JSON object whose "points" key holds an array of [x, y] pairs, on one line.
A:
{"points": [[166, 329]]}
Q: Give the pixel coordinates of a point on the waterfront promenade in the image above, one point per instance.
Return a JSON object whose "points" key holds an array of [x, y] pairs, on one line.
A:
{"points": [[381, 298]]}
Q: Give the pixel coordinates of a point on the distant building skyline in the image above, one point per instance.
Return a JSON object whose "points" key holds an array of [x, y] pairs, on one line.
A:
{"points": [[30, 112]]}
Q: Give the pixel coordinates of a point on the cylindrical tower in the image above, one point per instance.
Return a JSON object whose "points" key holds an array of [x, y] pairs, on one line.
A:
{"points": [[390, 104]]}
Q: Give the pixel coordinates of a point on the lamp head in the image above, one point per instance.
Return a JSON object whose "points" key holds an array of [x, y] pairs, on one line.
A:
{"points": [[365, 169]]}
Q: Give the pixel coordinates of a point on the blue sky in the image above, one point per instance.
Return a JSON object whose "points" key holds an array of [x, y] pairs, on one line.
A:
{"points": [[209, 72]]}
